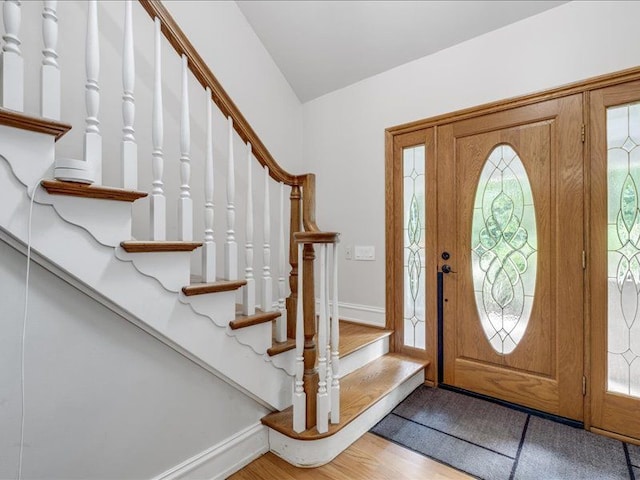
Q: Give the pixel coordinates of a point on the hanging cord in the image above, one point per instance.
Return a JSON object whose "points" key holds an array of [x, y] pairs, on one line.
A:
{"points": [[24, 326]]}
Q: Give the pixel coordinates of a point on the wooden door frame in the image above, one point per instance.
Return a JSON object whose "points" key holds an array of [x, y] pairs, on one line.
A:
{"points": [[394, 247], [600, 100], [394, 279]]}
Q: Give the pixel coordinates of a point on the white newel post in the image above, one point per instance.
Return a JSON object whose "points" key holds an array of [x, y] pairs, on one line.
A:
{"points": [[158, 200], [185, 203], [92, 136], [335, 336], [129, 147], [230, 246], [281, 322], [299, 396], [209, 246], [322, 408], [249, 292], [12, 65], [267, 288], [50, 71]]}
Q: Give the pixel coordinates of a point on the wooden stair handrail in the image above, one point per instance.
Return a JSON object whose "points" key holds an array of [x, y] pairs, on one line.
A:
{"points": [[179, 41], [183, 46]]}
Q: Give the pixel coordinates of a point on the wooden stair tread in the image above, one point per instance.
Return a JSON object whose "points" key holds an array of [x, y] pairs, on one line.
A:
{"points": [[15, 119], [354, 336], [358, 391], [200, 288], [281, 347], [242, 321], [73, 189], [138, 246]]}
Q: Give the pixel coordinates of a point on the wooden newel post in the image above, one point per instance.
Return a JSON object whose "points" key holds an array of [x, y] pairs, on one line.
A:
{"points": [[294, 227], [314, 380], [310, 351]]}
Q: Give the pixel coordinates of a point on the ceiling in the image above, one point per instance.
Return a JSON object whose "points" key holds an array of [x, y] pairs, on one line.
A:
{"points": [[321, 46]]}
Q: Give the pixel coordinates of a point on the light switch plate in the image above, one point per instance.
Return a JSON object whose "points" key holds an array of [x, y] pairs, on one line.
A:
{"points": [[365, 252]]}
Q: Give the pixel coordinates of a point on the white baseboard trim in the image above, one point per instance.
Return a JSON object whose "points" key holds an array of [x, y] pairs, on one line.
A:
{"points": [[224, 459], [366, 314]]}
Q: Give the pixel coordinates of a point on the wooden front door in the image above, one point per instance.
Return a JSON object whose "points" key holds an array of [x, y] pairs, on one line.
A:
{"points": [[615, 259], [510, 222]]}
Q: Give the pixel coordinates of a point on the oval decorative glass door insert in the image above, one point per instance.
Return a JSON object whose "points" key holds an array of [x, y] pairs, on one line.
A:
{"points": [[504, 245]]}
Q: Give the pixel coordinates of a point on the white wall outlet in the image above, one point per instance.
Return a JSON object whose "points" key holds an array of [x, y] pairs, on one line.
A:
{"points": [[367, 252], [348, 253]]}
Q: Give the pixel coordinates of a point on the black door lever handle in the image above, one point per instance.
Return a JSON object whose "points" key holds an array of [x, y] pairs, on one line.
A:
{"points": [[446, 269]]}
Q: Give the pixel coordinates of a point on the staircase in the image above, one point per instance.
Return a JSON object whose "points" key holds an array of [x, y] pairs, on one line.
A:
{"points": [[326, 381]]}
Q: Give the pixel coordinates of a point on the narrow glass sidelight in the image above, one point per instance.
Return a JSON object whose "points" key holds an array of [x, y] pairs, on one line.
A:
{"points": [[413, 173], [623, 245], [504, 245]]}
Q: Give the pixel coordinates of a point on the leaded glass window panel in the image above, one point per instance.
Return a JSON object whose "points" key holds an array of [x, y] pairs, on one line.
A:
{"points": [[504, 245], [413, 173], [623, 245]]}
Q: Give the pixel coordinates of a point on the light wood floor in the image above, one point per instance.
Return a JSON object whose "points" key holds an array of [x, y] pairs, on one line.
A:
{"points": [[369, 458]]}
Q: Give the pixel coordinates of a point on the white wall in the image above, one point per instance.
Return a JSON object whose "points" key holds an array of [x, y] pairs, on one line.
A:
{"points": [[103, 398], [344, 130]]}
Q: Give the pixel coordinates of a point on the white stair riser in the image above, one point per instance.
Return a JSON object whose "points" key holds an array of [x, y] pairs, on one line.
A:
{"points": [[362, 356], [171, 269], [28, 164], [258, 337], [221, 307], [313, 453], [108, 221], [285, 360]]}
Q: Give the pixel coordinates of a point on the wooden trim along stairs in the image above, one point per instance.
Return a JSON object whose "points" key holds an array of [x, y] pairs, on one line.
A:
{"points": [[259, 317], [142, 246], [201, 288], [11, 118], [73, 189]]}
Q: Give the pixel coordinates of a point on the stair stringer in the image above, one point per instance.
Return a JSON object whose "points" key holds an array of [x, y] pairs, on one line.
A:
{"points": [[102, 275]]}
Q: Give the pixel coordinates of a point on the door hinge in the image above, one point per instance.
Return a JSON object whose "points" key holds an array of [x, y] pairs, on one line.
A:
{"points": [[583, 133], [584, 385], [584, 260]]}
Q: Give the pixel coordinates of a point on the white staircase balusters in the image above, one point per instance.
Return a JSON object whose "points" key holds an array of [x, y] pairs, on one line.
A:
{"points": [[281, 322], [157, 200], [209, 246], [129, 147], [322, 402], [50, 70], [185, 203], [267, 288], [12, 67], [335, 337], [249, 291], [299, 395], [230, 245], [328, 325], [92, 136]]}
